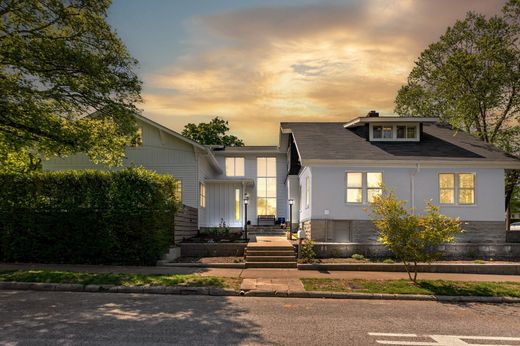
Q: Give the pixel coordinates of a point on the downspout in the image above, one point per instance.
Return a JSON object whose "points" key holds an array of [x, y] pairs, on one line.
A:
{"points": [[412, 185]]}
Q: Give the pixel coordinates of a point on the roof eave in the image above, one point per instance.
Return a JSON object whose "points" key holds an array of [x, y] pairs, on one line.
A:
{"points": [[504, 164]]}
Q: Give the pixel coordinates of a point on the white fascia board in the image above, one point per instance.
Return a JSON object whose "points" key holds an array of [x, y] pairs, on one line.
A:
{"points": [[413, 164], [383, 119]]}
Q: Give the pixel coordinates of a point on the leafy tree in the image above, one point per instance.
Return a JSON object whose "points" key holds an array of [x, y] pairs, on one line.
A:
{"points": [[470, 79], [410, 237], [60, 61], [212, 133]]}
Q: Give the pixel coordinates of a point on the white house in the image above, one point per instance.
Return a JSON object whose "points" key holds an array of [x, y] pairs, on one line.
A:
{"points": [[331, 171]]}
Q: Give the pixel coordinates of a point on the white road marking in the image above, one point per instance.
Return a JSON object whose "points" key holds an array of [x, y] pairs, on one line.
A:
{"points": [[441, 340]]}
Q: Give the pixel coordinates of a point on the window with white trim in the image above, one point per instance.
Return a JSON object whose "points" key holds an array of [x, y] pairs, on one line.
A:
{"points": [[202, 195], [266, 186], [235, 167], [457, 188], [363, 187], [394, 132]]}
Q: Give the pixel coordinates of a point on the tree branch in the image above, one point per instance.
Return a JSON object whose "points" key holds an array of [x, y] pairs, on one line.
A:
{"points": [[504, 114]]}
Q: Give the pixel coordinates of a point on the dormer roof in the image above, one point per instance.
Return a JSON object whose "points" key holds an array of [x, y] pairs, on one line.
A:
{"points": [[388, 119]]}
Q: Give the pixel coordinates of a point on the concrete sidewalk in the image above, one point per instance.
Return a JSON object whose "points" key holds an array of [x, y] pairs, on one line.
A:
{"points": [[258, 273]]}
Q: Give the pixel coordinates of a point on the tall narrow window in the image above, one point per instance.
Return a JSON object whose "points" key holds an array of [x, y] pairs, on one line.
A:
{"points": [[447, 188], [363, 187], [237, 204], [374, 185], [266, 186], [178, 191], [235, 166], [377, 132], [202, 195], [307, 192], [354, 187], [466, 188], [457, 188]]}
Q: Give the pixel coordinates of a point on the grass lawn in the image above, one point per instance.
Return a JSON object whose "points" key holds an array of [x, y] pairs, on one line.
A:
{"points": [[430, 287], [49, 276]]}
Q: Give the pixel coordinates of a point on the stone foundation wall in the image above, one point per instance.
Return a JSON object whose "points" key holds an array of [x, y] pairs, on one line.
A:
{"points": [[457, 251], [513, 236], [364, 231]]}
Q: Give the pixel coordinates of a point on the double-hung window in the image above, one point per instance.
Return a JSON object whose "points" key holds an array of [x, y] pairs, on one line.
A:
{"points": [[457, 188], [363, 187], [235, 167]]}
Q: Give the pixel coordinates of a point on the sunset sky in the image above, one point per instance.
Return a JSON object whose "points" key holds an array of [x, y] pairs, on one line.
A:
{"points": [[256, 63]]}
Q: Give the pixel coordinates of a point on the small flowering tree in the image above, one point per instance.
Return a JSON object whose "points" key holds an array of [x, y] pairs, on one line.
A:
{"points": [[412, 238]]}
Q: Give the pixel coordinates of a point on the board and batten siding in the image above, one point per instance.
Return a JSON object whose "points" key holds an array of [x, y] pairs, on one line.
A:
{"points": [[161, 152], [220, 198], [328, 192]]}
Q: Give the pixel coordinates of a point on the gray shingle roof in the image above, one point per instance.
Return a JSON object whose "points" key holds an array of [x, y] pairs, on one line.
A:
{"points": [[331, 141]]}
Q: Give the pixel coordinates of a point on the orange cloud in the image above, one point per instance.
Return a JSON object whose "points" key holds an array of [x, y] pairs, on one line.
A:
{"points": [[257, 67]]}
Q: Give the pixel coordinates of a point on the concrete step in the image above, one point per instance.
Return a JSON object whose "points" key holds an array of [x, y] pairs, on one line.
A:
{"points": [[270, 259], [268, 234], [269, 253], [271, 265], [270, 248]]}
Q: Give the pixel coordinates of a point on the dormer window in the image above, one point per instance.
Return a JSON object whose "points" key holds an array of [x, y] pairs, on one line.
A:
{"points": [[394, 132]]}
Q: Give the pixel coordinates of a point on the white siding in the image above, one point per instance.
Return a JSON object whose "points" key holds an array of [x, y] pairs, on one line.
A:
{"points": [[160, 152], [328, 192], [220, 200]]}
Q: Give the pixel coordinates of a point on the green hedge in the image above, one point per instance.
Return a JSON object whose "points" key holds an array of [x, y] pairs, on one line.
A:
{"points": [[90, 217]]}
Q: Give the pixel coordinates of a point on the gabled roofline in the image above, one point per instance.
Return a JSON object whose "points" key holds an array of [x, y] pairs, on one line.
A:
{"points": [[412, 163], [212, 160], [389, 119]]}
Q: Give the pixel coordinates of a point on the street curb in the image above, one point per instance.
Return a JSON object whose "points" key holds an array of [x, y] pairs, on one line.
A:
{"points": [[473, 268], [39, 286], [202, 265], [215, 291]]}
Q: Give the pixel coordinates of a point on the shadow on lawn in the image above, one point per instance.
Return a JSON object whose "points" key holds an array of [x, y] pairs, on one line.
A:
{"points": [[483, 289], [72, 318]]}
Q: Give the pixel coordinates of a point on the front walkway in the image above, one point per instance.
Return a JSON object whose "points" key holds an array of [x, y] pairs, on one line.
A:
{"points": [[258, 273], [269, 241]]}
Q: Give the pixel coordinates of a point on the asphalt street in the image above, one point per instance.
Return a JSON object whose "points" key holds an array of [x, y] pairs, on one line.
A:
{"points": [[50, 318]]}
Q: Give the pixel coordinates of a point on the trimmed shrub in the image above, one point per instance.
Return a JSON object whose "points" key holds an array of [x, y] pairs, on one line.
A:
{"points": [[358, 257], [307, 254], [89, 217]]}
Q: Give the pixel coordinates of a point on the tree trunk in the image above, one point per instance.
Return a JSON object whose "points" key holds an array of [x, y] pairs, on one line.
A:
{"points": [[512, 179]]}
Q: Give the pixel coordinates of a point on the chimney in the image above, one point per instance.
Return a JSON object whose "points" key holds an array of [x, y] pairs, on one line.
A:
{"points": [[372, 114]]}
